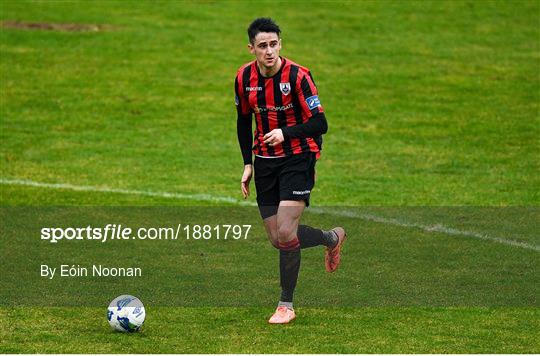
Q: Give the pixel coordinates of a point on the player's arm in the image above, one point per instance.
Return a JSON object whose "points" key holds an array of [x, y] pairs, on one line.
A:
{"points": [[243, 125], [245, 136], [311, 107], [316, 126], [245, 139]]}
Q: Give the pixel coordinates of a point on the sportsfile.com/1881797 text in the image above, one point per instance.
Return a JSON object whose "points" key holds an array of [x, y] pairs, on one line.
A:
{"points": [[120, 232]]}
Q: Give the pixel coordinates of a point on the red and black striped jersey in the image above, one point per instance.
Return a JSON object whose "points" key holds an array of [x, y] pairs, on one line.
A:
{"points": [[287, 98]]}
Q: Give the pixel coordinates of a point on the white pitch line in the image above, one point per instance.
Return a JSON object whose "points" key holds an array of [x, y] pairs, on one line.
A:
{"points": [[88, 188], [211, 198], [429, 228]]}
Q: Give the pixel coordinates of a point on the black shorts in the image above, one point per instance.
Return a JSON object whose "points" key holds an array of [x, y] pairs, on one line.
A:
{"points": [[284, 178]]}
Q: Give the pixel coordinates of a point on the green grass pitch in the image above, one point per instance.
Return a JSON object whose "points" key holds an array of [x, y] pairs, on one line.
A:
{"points": [[429, 103]]}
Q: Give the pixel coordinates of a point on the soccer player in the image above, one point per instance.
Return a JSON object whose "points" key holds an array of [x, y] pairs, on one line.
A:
{"points": [[287, 143]]}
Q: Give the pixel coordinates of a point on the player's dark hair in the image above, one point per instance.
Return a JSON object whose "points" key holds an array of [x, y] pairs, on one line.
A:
{"points": [[262, 24]]}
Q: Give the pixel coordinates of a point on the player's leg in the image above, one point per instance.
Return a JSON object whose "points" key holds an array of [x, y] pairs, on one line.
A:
{"points": [[270, 225], [299, 179], [268, 199], [295, 186], [311, 237], [307, 235], [267, 187], [296, 179], [288, 217]]}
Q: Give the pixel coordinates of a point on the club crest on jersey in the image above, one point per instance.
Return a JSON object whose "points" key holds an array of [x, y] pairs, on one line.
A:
{"points": [[313, 101], [285, 88]]}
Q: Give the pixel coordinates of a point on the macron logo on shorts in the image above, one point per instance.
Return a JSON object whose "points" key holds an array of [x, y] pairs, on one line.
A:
{"points": [[301, 192], [313, 101]]}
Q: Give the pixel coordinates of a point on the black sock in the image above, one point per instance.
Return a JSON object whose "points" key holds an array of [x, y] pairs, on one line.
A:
{"points": [[289, 266], [309, 237]]}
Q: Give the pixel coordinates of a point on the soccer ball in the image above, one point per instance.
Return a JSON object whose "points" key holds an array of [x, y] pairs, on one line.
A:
{"points": [[126, 313]]}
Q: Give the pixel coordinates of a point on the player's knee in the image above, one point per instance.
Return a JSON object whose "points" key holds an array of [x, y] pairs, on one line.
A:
{"points": [[273, 238], [284, 232]]}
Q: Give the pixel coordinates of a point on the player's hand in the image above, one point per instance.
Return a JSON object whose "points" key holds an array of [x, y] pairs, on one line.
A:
{"points": [[246, 178], [274, 137]]}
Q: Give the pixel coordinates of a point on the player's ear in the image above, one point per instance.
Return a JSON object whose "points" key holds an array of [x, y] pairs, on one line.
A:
{"points": [[251, 48], [280, 43]]}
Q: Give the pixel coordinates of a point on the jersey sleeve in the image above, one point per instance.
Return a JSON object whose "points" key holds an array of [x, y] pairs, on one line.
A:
{"points": [[308, 95], [242, 106]]}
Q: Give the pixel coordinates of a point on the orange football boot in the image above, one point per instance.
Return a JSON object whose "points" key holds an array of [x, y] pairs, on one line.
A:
{"points": [[332, 256], [283, 315]]}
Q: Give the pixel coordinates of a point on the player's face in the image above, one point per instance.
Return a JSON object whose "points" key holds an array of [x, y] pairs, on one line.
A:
{"points": [[266, 49]]}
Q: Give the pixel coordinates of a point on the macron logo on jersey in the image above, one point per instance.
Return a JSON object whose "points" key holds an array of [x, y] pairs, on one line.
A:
{"points": [[313, 101]]}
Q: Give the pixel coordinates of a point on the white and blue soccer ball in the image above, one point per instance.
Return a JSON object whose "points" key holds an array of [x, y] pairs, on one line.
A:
{"points": [[126, 313]]}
